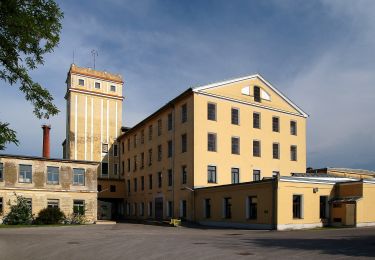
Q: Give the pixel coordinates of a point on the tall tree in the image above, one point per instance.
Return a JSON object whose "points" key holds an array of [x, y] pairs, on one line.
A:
{"points": [[28, 30]]}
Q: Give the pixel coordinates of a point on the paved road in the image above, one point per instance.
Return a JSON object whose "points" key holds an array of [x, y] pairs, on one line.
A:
{"points": [[136, 241]]}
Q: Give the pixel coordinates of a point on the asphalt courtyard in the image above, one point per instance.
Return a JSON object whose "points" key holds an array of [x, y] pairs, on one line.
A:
{"points": [[137, 241]]}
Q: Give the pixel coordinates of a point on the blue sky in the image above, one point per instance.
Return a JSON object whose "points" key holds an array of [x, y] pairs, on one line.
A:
{"points": [[319, 53]]}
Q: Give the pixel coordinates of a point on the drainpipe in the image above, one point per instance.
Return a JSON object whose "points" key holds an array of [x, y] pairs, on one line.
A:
{"points": [[173, 153], [275, 182]]}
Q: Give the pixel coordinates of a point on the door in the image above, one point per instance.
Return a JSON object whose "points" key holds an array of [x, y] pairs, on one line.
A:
{"points": [[159, 208], [350, 215]]}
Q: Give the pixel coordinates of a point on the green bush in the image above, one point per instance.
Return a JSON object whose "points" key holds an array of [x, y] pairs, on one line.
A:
{"points": [[50, 216], [20, 213], [75, 219]]}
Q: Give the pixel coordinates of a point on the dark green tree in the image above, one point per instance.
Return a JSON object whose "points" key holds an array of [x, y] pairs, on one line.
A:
{"points": [[20, 213], [28, 30]]}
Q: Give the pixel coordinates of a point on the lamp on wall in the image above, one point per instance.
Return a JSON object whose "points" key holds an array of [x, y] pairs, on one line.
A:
{"points": [[315, 190]]}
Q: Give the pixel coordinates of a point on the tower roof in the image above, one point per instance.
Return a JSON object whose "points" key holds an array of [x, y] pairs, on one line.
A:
{"points": [[74, 69]]}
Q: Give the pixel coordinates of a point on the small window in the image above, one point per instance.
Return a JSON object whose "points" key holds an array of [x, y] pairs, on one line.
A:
{"points": [[170, 148], [293, 153], [142, 136], [150, 181], [115, 169], [235, 145], [323, 204], [256, 148], [135, 184], [256, 175], [25, 173], [142, 182], [122, 147], [169, 209], [256, 120], [135, 163], [79, 207], [159, 152], [211, 111], [170, 177], [142, 209], [293, 127], [150, 132], [183, 143], [184, 175], [257, 97], [1, 171], [112, 188], [235, 116], [135, 140], [149, 157], [128, 186], [104, 169], [252, 207], [170, 121], [183, 209], [150, 209], [275, 124], [81, 82], [276, 151], [227, 207], [52, 175], [235, 175], [113, 88], [97, 85], [99, 188], [211, 174], [128, 164], [142, 160], [128, 144], [184, 113], [104, 148], [207, 208], [160, 125], [52, 203], [297, 206], [115, 150], [211, 142], [78, 176], [159, 180]]}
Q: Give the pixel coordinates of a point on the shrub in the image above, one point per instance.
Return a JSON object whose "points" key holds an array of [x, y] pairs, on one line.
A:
{"points": [[50, 216], [20, 213], [75, 219]]}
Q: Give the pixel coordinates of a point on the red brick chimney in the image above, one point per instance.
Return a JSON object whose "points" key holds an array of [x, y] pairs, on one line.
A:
{"points": [[46, 142]]}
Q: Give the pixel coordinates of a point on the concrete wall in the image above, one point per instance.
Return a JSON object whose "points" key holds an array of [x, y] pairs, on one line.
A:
{"points": [[366, 206]]}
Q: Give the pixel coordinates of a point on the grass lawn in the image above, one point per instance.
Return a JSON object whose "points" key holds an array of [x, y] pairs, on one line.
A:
{"points": [[26, 226]]}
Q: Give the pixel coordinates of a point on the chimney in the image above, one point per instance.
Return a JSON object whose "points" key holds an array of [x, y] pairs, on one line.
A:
{"points": [[46, 143]]}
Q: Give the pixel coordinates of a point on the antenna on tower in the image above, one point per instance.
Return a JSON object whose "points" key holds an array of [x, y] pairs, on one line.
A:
{"points": [[73, 56], [94, 54]]}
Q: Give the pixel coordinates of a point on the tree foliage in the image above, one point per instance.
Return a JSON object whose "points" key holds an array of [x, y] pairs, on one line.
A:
{"points": [[20, 213], [28, 30], [49, 216]]}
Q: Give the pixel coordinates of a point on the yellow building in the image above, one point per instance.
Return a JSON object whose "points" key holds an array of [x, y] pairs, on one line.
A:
{"points": [[228, 132], [94, 120]]}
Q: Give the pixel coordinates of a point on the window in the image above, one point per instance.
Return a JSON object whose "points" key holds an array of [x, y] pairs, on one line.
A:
{"points": [[25, 174], [79, 207], [170, 148], [170, 177], [115, 169], [112, 188], [52, 203], [135, 140], [115, 150], [159, 127], [323, 205], [276, 151], [183, 209], [104, 148], [256, 120], [122, 167], [293, 127], [78, 176], [184, 174], [235, 116], [81, 82], [159, 179], [150, 132], [275, 124], [150, 181], [150, 209], [211, 142], [104, 168], [1, 206], [122, 147], [211, 111], [142, 209], [183, 143], [256, 148], [135, 163], [235, 175], [184, 113], [128, 144], [135, 184], [150, 157], [142, 160], [97, 85], [297, 206], [252, 207], [207, 208], [170, 121], [159, 152], [211, 174], [169, 209], [143, 183], [99, 188], [52, 175], [128, 164], [113, 88], [256, 175], [257, 97], [293, 153], [128, 184], [235, 145], [142, 136], [227, 207], [135, 209], [1, 171]]}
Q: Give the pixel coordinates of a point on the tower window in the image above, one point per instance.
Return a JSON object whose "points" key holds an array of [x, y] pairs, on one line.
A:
{"points": [[104, 148], [113, 88], [97, 85], [257, 94], [81, 82]]}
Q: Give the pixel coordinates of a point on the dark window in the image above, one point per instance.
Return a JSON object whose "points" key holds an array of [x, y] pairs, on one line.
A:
{"points": [[150, 209], [293, 127], [184, 113], [257, 94], [122, 167], [135, 163], [159, 127], [227, 207], [79, 207], [235, 175], [293, 153], [150, 157], [323, 207], [81, 82], [211, 142], [113, 88], [253, 207], [211, 111], [170, 121], [207, 208], [128, 184], [128, 164], [135, 140], [275, 151], [142, 136], [183, 143], [256, 148], [25, 174], [142, 160], [99, 188], [128, 144], [235, 116], [115, 169], [52, 175], [170, 177], [104, 168], [52, 203], [297, 206], [142, 209], [159, 152], [112, 188], [135, 184], [256, 175], [170, 209], [150, 132], [235, 145], [115, 150], [170, 148], [97, 85], [184, 175], [275, 124], [1, 171], [142, 182], [256, 120], [150, 181], [78, 176], [122, 147], [183, 209], [159, 180], [211, 174]]}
